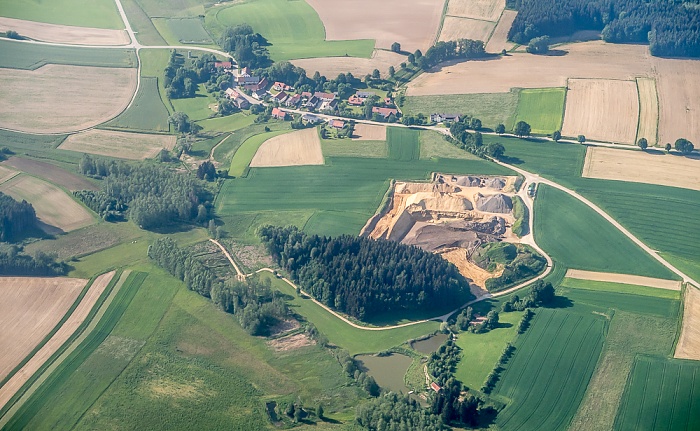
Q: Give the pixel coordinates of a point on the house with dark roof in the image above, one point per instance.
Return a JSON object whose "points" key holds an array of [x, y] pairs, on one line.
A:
{"points": [[312, 103], [279, 114], [326, 97], [259, 86], [241, 103], [439, 118], [364, 94], [293, 101], [312, 119], [280, 97]]}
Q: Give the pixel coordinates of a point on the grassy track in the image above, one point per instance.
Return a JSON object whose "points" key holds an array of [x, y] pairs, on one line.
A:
{"points": [[293, 29], [404, 144], [434, 145], [95, 13], [246, 152], [603, 286], [491, 108], [30, 57], [576, 236], [661, 394], [147, 113], [542, 109], [547, 376]]}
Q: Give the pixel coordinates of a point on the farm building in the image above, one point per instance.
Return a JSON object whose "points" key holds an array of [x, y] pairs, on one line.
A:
{"points": [[279, 114], [337, 124], [388, 101], [230, 92], [439, 118], [326, 97], [223, 64], [259, 86], [243, 77], [241, 103], [434, 386], [385, 112]]}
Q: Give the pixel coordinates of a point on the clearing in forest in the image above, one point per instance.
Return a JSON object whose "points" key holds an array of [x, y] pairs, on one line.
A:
{"points": [[369, 132], [30, 307], [454, 28], [64, 33], [648, 110], [298, 148], [487, 10], [124, 145], [688, 346], [642, 167], [499, 38], [56, 211], [58, 98], [602, 110]]}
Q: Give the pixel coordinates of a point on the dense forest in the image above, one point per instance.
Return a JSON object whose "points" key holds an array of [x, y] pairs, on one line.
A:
{"points": [[15, 262], [670, 27], [363, 277], [151, 196], [246, 46], [16, 218]]}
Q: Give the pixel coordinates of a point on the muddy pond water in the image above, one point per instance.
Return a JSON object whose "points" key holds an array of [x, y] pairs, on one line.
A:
{"points": [[388, 371], [429, 345]]}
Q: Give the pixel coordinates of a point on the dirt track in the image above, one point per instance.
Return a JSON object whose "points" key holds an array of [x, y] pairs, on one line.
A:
{"points": [[624, 278], [64, 33], [689, 342]]}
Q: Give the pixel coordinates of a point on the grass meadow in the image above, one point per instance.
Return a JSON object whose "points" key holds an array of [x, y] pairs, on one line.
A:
{"points": [[146, 32], [433, 145], [189, 31], [542, 109], [228, 123], [148, 112], [491, 108], [31, 56], [95, 13], [404, 144], [293, 29], [40, 146], [197, 107], [350, 148], [604, 286]]}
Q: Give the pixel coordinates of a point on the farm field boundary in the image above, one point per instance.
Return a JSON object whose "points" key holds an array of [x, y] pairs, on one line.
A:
{"points": [[499, 39], [606, 286], [454, 28], [624, 279], [125, 145], [51, 173], [487, 10], [147, 112], [404, 144], [240, 162], [648, 110], [299, 148], [18, 55], [65, 34], [688, 346]]}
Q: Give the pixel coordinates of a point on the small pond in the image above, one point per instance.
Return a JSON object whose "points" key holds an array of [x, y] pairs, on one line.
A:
{"points": [[429, 345], [388, 371]]}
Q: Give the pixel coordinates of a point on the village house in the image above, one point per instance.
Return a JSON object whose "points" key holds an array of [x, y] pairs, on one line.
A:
{"points": [[364, 94], [244, 77], [439, 118], [281, 86], [388, 101], [280, 97], [385, 112], [279, 114], [293, 101], [259, 86], [337, 124], [311, 119], [241, 103], [326, 97], [312, 102], [434, 386], [230, 93], [354, 100], [306, 95], [328, 105], [223, 64]]}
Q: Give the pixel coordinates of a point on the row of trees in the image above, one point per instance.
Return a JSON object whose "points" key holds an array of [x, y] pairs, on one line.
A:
{"points": [[670, 27], [16, 218], [460, 49], [363, 277], [13, 261]]}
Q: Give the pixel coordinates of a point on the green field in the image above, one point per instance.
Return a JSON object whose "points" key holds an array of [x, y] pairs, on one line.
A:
{"points": [[31, 57], [185, 31], [144, 29], [576, 236], [147, 113], [228, 123], [350, 148], [491, 108], [542, 109], [40, 146], [547, 376], [480, 352], [95, 13], [246, 152], [197, 107], [174, 8], [661, 394], [434, 145], [224, 153], [293, 29], [403, 143], [603, 286]]}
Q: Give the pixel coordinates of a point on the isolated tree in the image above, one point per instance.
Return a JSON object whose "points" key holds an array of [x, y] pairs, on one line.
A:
{"points": [[522, 129], [504, 52], [180, 121], [581, 139], [319, 411], [684, 146], [542, 292], [11, 34], [556, 136], [403, 65], [642, 143], [412, 59], [491, 321], [392, 71], [501, 129], [495, 150], [396, 47], [538, 45], [375, 74]]}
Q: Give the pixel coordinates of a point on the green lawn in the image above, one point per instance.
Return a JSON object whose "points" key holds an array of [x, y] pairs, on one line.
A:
{"points": [[404, 144], [228, 123], [491, 108], [350, 148], [480, 352], [246, 152], [197, 107], [603, 286], [174, 8], [147, 113], [434, 145], [542, 109], [30, 57], [94, 13], [293, 29], [579, 238]]}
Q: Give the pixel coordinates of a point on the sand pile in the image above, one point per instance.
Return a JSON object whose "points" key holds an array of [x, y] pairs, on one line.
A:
{"points": [[410, 188], [496, 183], [498, 203], [440, 202]]}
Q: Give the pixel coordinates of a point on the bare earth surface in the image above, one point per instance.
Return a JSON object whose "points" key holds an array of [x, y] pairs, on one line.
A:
{"points": [[455, 28], [59, 98], [678, 84], [488, 10], [499, 38], [471, 271], [333, 66], [688, 346], [298, 148], [125, 145], [50, 173], [290, 342], [64, 33], [6, 173], [624, 278], [602, 110], [369, 132], [53, 206], [648, 110], [414, 25], [30, 307], [642, 167], [59, 338]]}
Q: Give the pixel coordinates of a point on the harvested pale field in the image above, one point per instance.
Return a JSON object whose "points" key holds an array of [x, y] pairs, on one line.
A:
{"points": [[678, 83], [466, 28], [624, 279], [58, 339], [602, 110], [124, 145], [648, 110], [6, 174], [56, 211], [59, 98], [369, 132], [414, 25], [488, 10], [333, 66], [499, 38], [51, 173], [30, 307], [688, 346], [65, 33], [642, 167], [298, 148], [499, 74]]}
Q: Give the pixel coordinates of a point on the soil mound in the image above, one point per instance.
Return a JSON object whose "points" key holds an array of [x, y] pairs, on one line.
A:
{"points": [[463, 234], [496, 183], [410, 188], [425, 201], [498, 203]]}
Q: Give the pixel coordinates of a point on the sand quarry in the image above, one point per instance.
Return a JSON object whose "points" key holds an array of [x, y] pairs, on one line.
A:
{"points": [[65, 33], [451, 215], [299, 148]]}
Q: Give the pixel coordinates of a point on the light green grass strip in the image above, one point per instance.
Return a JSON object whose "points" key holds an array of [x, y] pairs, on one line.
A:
{"points": [[80, 13], [606, 286], [542, 109], [244, 155]]}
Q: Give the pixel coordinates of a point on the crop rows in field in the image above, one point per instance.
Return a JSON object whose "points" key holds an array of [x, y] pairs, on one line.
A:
{"points": [[147, 112], [547, 377], [404, 144]]}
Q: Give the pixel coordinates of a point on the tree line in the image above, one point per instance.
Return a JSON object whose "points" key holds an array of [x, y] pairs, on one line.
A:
{"points": [[13, 261], [16, 218], [150, 195], [397, 412], [363, 277], [670, 27]]}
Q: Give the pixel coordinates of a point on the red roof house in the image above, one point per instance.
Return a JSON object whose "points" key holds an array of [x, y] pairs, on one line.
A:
{"points": [[279, 114], [385, 112], [434, 386], [338, 124]]}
